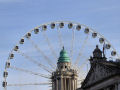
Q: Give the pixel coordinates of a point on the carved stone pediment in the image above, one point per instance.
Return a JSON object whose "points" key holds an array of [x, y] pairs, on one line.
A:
{"points": [[98, 72]]}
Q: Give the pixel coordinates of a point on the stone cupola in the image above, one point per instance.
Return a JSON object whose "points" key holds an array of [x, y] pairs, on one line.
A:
{"points": [[97, 53], [63, 60], [98, 56]]}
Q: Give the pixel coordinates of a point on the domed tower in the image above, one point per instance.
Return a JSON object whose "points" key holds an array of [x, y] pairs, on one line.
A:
{"points": [[64, 78]]}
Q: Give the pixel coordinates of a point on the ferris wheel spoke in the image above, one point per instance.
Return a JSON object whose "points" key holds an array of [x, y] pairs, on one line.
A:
{"points": [[30, 84], [81, 50], [82, 66], [42, 53], [30, 72], [72, 43], [76, 66], [79, 69], [50, 46], [59, 37], [35, 62], [84, 63]]}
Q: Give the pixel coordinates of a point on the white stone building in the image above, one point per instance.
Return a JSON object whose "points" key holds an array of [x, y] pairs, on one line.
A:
{"points": [[64, 78]]}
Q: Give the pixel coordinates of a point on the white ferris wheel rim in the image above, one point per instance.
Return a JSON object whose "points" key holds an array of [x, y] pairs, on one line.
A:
{"points": [[65, 22]]}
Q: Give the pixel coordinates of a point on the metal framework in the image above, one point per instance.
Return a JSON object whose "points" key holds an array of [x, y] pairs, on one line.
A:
{"points": [[43, 29]]}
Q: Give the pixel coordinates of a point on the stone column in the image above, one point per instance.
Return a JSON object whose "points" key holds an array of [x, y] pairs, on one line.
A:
{"points": [[52, 85], [61, 83], [74, 84], [116, 86], [65, 83], [69, 84], [56, 84]]}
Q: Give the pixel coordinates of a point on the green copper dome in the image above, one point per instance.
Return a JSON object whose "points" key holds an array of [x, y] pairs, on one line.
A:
{"points": [[63, 56]]}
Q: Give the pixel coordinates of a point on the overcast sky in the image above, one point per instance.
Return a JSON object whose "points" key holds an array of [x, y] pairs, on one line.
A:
{"points": [[19, 16]]}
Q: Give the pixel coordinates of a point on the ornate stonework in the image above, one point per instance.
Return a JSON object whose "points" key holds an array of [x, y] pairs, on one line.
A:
{"points": [[103, 74], [64, 78]]}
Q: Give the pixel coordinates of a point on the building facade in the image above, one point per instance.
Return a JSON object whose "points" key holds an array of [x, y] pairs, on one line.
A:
{"points": [[103, 74], [64, 78]]}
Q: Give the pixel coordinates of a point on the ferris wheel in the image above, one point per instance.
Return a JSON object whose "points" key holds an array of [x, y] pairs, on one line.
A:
{"points": [[33, 59]]}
